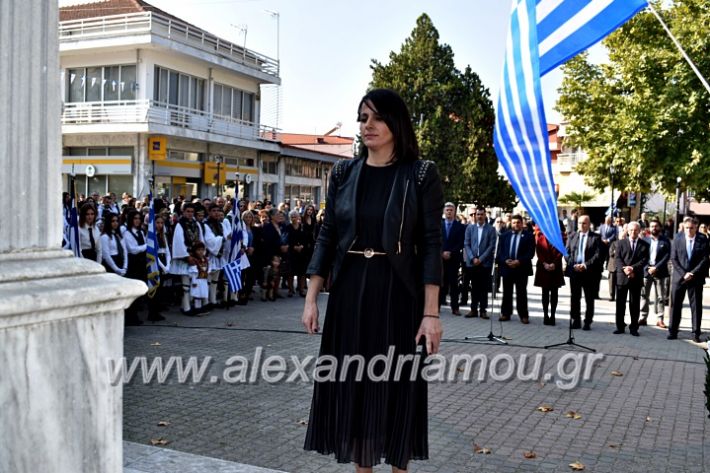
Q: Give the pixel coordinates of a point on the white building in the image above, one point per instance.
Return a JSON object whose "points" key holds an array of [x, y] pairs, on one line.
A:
{"points": [[132, 72]]}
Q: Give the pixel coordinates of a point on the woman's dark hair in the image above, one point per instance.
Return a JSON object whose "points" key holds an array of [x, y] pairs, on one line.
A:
{"points": [[83, 211], [107, 230], [392, 109], [130, 217]]}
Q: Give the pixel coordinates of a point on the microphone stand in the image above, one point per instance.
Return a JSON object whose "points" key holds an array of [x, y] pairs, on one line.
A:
{"points": [[491, 338], [570, 340]]}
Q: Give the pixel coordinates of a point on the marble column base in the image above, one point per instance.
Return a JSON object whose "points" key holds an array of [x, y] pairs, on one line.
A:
{"points": [[61, 319]]}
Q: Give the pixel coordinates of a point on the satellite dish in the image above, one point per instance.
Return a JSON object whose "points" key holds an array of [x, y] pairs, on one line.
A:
{"points": [[90, 170]]}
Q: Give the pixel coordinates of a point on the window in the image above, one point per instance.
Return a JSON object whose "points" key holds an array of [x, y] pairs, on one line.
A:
{"points": [[111, 83], [120, 184], [269, 167], [235, 161], [234, 103], [183, 155], [175, 88], [93, 84], [128, 82], [101, 83], [217, 108], [248, 108], [99, 151], [302, 168]]}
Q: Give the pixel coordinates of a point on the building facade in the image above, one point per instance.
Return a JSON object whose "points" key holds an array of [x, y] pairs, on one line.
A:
{"points": [[133, 74]]}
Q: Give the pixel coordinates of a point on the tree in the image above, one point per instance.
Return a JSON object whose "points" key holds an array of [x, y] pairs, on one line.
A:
{"points": [[577, 199], [645, 112], [452, 114]]}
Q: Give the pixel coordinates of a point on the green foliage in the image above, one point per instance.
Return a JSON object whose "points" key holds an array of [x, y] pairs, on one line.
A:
{"points": [[645, 111], [452, 114], [577, 199]]}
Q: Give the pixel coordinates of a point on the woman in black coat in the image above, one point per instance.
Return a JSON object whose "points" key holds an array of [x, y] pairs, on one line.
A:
{"points": [[381, 239]]}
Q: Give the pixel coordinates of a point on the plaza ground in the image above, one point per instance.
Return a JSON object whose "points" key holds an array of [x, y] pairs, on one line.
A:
{"points": [[652, 418]]}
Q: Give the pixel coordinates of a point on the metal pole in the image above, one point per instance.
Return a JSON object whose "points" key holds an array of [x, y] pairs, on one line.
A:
{"points": [[680, 48], [677, 205]]}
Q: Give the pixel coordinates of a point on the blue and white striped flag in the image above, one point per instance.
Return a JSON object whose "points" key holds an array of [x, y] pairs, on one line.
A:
{"points": [[152, 252], [73, 228], [238, 258], [233, 273], [543, 34]]}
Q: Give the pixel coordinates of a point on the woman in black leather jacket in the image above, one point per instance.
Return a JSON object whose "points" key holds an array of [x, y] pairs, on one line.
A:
{"points": [[381, 244]]}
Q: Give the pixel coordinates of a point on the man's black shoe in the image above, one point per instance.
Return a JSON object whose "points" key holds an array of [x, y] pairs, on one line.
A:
{"points": [[619, 331]]}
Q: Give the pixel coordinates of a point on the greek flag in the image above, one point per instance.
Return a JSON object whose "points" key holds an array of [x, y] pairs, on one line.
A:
{"points": [[72, 230], [233, 273], [238, 259], [543, 34], [152, 252]]}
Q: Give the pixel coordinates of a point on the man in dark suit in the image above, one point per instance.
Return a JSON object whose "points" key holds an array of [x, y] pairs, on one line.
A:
{"points": [[689, 255], [478, 247], [656, 273], [608, 234], [452, 235], [631, 259], [515, 252], [583, 267]]}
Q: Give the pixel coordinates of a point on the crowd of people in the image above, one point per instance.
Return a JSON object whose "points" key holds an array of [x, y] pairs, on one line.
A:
{"points": [[195, 237], [195, 240], [650, 266]]}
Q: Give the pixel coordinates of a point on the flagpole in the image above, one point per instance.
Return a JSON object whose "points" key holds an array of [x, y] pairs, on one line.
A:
{"points": [[680, 48]]}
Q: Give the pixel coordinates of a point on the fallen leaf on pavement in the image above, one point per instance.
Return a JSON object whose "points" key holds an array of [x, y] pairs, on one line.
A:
{"points": [[617, 373], [648, 419], [613, 445], [163, 423], [159, 441], [576, 466], [229, 324], [303, 422], [530, 455], [545, 408], [573, 415], [479, 449]]}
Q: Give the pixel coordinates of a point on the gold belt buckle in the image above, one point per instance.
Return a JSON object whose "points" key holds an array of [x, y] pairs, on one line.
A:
{"points": [[368, 253]]}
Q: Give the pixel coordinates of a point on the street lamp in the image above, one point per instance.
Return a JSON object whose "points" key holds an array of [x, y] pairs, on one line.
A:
{"points": [[219, 160], [677, 203]]}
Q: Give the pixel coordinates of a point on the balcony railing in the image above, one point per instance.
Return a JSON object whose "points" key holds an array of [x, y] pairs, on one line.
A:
{"points": [[160, 113], [567, 161], [170, 28]]}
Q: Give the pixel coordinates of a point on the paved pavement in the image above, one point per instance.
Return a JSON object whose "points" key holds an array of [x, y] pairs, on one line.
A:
{"points": [[650, 419]]}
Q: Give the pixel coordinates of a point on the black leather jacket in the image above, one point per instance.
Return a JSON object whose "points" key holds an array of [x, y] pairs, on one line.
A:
{"points": [[412, 227]]}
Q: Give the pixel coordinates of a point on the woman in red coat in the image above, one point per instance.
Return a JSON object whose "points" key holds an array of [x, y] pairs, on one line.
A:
{"points": [[548, 275]]}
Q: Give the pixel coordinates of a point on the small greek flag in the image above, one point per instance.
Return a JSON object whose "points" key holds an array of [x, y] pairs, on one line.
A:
{"points": [[233, 273], [73, 228], [152, 252], [543, 34]]}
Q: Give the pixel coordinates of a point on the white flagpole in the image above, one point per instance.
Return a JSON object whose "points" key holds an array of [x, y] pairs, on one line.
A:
{"points": [[680, 48]]}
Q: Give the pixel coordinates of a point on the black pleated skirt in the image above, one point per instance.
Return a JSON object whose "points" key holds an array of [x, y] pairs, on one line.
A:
{"points": [[365, 421]]}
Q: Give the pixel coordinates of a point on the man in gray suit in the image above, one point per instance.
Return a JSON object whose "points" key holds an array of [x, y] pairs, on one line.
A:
{"points": [[479, 245]]}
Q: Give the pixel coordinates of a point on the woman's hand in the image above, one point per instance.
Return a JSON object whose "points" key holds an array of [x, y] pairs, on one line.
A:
{"points": [[431, 330], [310, 317]]}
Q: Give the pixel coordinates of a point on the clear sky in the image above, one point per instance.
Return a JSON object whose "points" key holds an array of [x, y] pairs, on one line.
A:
{"points": [[326, 47]]}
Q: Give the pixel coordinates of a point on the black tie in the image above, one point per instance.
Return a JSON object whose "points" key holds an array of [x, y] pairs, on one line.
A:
{"points": [[91, 238]]}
